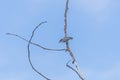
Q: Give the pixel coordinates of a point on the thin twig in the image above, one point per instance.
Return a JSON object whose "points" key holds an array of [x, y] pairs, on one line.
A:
{"points": [[35, 43], [28, 47], [67, 64], [65, 19], [78, 70]]}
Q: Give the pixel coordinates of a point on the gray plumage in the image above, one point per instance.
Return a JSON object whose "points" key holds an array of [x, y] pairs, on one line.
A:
{"points": [[65, 39]]}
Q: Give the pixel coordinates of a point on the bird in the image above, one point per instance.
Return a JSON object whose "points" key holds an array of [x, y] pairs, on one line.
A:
{"points": [[65, 39]]}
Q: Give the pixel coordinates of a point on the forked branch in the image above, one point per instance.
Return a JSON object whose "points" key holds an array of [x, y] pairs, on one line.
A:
{"points": [[67, 44], [67, 64], [65, 40]]}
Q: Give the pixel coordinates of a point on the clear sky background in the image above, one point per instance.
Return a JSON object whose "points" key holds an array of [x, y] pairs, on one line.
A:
{"points": [[94, 25]]}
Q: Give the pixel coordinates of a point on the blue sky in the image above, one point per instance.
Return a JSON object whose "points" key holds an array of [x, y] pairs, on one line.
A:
{"points": [[94, 25]]}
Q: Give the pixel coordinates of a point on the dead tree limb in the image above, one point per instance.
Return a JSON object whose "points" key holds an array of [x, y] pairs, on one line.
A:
{"points": [[67, 44], [65, 31], [65, 40]]}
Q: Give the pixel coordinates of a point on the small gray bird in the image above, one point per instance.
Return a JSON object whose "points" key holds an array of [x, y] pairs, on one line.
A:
{"points": [[65, 39]]}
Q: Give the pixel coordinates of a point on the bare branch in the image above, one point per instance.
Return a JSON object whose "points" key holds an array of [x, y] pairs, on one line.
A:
{"points": [[66, 40], [65, 31], [35, 43], [78, 70], [65, 19], [67, 64], [28, 47]]}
